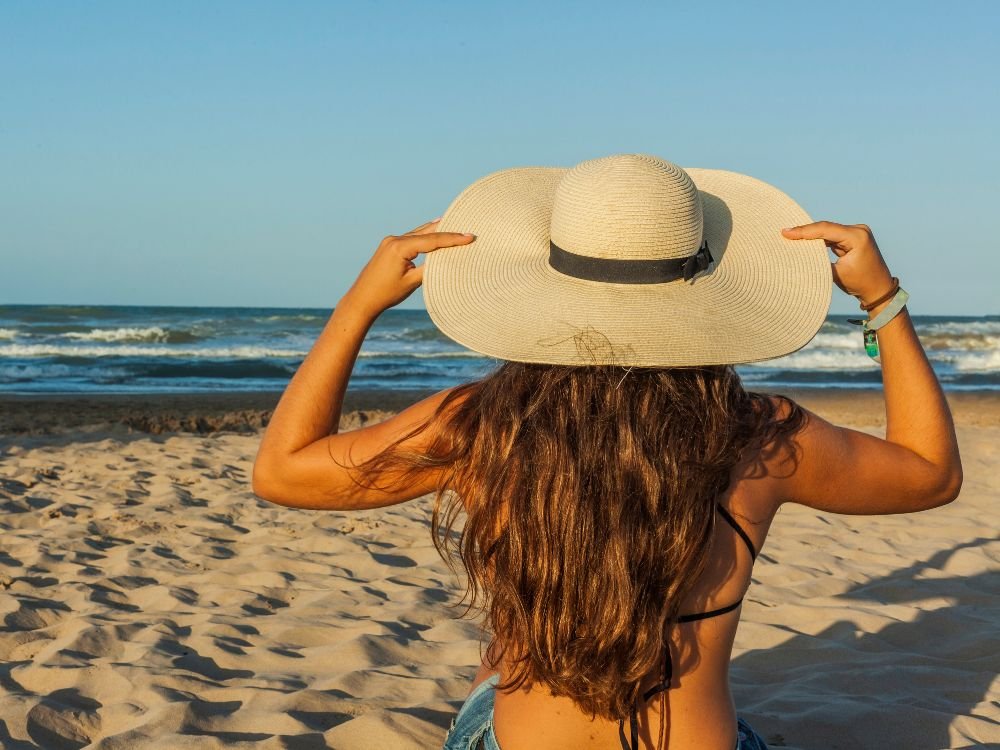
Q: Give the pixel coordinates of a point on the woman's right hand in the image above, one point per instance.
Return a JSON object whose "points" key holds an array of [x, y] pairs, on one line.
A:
{"points": [[860, 269]]}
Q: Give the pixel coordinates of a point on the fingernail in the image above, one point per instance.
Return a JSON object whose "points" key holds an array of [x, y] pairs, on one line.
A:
{"points": [[437, 219], [469, 234]]}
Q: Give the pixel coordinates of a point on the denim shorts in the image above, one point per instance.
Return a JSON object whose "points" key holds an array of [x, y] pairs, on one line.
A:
{"points": [[472, 729]]}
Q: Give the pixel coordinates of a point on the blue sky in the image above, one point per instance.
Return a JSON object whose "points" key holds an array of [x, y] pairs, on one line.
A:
{"points": [[255, 153]]}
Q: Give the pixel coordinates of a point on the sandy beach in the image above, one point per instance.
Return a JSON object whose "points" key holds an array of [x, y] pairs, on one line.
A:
{"points": [[149, 600]]}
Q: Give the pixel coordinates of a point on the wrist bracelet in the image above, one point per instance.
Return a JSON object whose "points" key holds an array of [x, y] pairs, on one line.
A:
{"points": [[870, 325], [894, 287]]}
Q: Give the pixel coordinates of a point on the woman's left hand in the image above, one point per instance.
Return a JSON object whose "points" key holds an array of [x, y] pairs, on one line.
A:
{"points": [[391, 275]]}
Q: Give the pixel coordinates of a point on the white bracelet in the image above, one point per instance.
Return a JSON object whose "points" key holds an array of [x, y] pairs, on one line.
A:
{"points": [[891, 311], [870, 325]]}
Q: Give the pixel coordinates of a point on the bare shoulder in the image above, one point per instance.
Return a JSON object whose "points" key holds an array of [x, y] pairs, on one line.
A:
{"points": [[787, 458], [422, 414], [838, 469], [759, 481], [321, 475], [776, 458]]}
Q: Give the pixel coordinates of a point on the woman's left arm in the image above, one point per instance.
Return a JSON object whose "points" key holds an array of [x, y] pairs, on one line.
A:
{"points": [[297, 462]]}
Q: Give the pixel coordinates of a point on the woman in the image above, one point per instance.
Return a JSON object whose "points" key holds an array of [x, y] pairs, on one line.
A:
{"points": [[615, 479]]}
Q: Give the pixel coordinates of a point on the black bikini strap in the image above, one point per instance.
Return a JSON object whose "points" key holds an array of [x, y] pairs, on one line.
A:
{"points": [[713, 613], [633, 725], [738, 529], [668, 675], [668, 665], [633, 719]]}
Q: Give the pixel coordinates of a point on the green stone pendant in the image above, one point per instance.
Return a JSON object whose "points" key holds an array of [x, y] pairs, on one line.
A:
{"points": [[868, 336], [871, 342]]}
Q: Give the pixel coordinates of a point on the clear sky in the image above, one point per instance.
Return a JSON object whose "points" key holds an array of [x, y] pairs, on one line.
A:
{"points": [[248, 153]]}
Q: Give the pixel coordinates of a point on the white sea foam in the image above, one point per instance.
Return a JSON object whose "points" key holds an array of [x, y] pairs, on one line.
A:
{"points": [[228, 352], [407, 354], [33, 372], [275, 318], [976, 362], [835, 341], [154, 334], [945, 337], [7, 334], [979, 354], [820, 360], [21, 372], [962, 328], [967, 342]]}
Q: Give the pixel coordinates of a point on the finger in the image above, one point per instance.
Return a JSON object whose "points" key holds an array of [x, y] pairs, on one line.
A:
{"points": [[836, 276], [424, 228], [424, 243], [416, 275], [818, 230]]}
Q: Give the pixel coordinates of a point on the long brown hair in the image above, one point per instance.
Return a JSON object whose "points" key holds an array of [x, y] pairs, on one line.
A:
{"points": [[589, 501]]}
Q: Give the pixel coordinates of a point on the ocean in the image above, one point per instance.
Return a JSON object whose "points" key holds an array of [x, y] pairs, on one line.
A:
{"points": [[106, 349]]}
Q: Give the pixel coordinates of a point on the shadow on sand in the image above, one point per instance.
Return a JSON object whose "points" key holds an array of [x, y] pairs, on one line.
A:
{"points": [[900, 687]]}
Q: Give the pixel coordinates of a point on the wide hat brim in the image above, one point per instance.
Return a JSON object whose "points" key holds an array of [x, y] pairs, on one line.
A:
{"points": [[766, 296]]}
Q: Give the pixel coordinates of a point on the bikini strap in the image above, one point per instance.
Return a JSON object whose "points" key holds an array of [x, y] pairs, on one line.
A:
{"points": [[632, 743], [661, 686], [713, 613], [738, 529], [668, 674], [633, 725]]}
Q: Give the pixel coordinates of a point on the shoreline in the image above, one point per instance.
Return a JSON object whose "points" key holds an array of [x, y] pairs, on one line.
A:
{"points": [[155, 413], [247, 412]]}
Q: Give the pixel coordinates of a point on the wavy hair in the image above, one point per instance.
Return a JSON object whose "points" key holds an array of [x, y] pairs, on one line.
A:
{"points": [[589, 503]]}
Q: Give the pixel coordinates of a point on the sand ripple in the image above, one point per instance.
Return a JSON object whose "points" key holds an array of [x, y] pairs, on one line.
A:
{"points": [[147, 599]]}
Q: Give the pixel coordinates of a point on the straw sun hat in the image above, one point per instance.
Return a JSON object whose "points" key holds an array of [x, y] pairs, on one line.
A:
{"points": [[629, 260]]}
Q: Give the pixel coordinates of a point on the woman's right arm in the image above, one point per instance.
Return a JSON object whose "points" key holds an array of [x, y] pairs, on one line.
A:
{"points": [[917, 466]]}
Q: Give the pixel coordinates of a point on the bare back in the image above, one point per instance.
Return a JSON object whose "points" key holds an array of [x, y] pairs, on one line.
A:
{"points": [[699, 706]]}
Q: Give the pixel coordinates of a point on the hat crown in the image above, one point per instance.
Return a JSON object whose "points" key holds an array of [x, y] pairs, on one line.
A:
{"points": [[627, 206]]}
